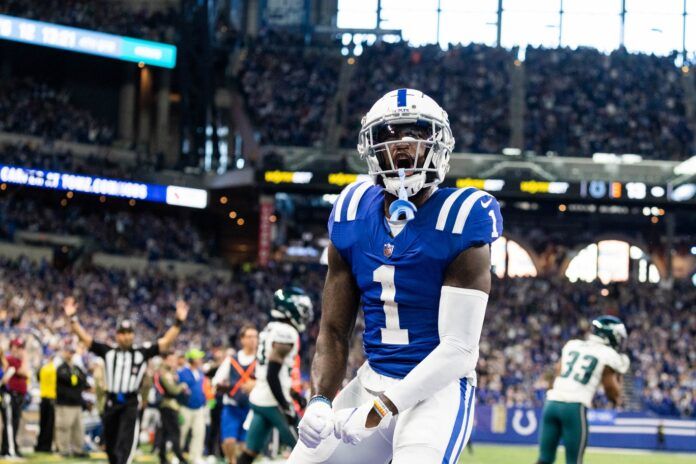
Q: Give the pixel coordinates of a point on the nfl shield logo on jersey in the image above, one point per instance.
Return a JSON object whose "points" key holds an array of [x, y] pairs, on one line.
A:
{"points": [[388, 249]]}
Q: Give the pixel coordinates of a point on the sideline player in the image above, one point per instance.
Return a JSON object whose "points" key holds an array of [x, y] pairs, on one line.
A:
{"points": [[584, 364], [235, 377], [271, 399], [417, 257]]}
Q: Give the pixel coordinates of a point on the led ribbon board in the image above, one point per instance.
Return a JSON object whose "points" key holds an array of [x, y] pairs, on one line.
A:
{"points": [[86, 41], [168, 194]]}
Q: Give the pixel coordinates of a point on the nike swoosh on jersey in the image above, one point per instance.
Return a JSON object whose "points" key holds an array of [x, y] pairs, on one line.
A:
{"points": [[486, 204]]}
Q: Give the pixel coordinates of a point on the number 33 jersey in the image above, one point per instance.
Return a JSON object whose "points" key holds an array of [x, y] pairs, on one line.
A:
{"points": [[582, 366], [400, 277]]}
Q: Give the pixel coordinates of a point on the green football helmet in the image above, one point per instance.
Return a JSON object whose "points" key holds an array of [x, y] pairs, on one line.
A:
{"points": [[612, 330], [294, 306]]}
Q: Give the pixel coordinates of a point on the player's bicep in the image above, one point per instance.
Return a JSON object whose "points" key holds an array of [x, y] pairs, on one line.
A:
{"points": [[340, 298], [611, 383], [280, 351], [470, 269], [609, 375]]}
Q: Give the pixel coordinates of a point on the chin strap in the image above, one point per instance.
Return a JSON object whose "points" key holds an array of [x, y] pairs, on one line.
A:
{"points": [[402, 209]]}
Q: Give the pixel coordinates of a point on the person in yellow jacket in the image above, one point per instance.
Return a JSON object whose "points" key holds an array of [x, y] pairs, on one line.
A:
{"points": [[47, 390]]}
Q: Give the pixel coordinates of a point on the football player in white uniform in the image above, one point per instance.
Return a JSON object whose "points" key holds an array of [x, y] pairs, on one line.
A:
{"points": [[583, 366], [272, 397]]}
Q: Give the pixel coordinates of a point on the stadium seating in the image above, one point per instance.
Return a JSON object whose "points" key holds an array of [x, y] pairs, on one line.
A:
{"points": [[520, 345], [470, 82], [288, 88], [32, 107], [49, 157], [534, 318], [581, 101], [153, 235], [578, 102]]}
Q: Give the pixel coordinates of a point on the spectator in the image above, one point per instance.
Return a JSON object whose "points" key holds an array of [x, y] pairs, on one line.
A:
{"points": [[169, 390], [72, 381], [16, 386], [48, 392], [212, 437], [194, 406]]}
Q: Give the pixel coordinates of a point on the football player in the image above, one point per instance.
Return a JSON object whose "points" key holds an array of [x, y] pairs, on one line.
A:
{"points": [[272, 397], [416, 258], [583, 366]]}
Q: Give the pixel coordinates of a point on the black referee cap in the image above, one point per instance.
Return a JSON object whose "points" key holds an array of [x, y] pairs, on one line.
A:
{"points": [[125, 326]]}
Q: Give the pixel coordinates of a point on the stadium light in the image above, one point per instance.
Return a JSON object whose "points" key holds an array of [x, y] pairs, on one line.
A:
{"points": [[631, 158], [613, 158], [605, 158], [686, 168], [509, 151]]}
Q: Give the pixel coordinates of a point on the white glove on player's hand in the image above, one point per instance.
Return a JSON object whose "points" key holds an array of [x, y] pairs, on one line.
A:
{"points": [[316, 424], [349, 423]]}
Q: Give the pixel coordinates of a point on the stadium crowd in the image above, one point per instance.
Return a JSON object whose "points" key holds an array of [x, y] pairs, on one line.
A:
{"points": [[158, 236], [578, 102], [520, 345], [288, 88], [102, 16], [31, 315], [47, 156], [471, 82], [534, 317], [582, 101], [36, 108]]}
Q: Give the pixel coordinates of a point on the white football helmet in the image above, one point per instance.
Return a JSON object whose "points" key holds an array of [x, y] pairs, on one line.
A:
{"points": [[407, 106]]}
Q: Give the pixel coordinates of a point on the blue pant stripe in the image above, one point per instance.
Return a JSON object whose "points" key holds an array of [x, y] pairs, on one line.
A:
{"points": [[472, 392], [457, 423]]}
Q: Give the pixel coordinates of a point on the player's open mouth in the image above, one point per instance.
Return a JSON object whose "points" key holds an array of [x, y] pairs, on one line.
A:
{"points": [[404, 161]]}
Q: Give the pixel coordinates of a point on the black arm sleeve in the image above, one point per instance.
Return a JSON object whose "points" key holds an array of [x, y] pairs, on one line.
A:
{"points": [[150, 350], [273, 378], [100, 349]]}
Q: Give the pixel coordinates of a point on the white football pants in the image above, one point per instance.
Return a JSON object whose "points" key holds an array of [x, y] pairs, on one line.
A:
{"points": [[433, 431]]}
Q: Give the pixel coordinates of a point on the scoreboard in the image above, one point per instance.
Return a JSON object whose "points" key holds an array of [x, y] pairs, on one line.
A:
{"points": [[596, 190]]}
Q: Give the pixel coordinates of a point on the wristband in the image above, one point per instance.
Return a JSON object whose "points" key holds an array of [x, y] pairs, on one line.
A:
{"points": [[319, 399], [380, 408], [178, 323]]}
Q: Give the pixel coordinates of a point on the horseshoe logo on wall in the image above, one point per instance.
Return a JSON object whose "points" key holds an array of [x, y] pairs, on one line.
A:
{"points": [[524, 430]]}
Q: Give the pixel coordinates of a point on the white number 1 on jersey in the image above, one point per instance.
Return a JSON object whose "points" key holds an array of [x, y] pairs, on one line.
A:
{"points": [[392, 334]]}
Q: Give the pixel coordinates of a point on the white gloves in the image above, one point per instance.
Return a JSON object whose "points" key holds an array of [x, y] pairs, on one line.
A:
{"points": [[316, 424], [350, 423]]}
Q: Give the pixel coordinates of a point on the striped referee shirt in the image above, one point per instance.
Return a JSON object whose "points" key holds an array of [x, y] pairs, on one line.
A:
{"points": [[124, 369]]}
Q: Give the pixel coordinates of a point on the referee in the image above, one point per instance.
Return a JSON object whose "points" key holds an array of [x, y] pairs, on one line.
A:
{"points": [[125, 367]]}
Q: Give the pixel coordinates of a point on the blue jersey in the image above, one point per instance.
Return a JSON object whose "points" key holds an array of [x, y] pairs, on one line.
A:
{"points": [[400, 277]]}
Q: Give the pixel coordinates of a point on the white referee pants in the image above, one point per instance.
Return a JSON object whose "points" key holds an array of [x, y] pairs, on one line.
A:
{"points": [[194, 421]]}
